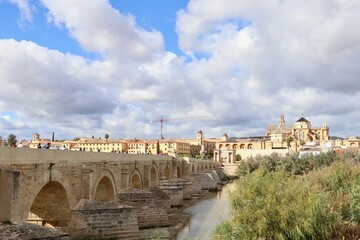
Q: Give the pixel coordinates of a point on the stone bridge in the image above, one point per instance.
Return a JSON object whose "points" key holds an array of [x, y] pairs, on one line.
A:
{"points": [[48, 184]]}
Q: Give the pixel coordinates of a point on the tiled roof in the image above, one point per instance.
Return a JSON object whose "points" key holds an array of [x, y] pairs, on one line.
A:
{"points": [[285, 127], [280, 130], [302, 119]]}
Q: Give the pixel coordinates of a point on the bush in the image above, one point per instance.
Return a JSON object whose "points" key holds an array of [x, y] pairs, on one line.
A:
{"points": [[354, 208], [274, 205], [292, 163]]}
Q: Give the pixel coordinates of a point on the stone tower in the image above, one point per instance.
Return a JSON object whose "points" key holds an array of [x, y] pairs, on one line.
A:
{"points": [[282, 119], [36, 137], [200, 138], [224, 138]]}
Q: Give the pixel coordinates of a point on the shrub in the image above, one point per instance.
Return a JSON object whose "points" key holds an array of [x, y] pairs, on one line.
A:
{"points": [[274, 205]]}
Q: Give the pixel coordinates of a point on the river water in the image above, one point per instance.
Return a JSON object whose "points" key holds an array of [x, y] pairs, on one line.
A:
{"points": [[205, 214]]}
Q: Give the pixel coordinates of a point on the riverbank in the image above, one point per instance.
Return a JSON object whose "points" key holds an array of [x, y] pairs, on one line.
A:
{"points": [[196, 219], [177, 218]]}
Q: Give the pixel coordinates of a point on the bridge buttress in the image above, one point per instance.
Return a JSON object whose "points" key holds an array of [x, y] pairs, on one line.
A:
{"points": [[9, 186]]}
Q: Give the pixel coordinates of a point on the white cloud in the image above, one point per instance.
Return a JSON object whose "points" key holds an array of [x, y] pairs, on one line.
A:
{"points": [[252, 62], [26, 12], [100, 28]]}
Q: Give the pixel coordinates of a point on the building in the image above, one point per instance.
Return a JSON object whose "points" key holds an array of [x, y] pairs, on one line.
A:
{"points": [[174, 147], [200, 144], [100, 145], [281, 138], [37, 142], [142, 146], [300, 132]]}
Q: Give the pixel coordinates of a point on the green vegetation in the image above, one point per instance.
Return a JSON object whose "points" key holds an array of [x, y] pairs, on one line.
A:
{"points": [[313, 197], [11, 141], [197, 156]]}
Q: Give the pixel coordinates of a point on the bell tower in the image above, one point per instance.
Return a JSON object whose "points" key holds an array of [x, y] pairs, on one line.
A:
{"points": [[282, 120], [200, 138]]}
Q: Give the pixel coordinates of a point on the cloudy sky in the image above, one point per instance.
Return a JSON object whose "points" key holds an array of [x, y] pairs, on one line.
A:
{"points": [[85, 68]]}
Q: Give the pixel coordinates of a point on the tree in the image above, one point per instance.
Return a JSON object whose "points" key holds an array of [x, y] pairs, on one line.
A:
{"points": [[76, 139], [106, 136], [12, 140], [288, 141]]}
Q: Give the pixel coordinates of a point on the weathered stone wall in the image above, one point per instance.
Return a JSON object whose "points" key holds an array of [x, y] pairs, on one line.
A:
{"points": [[28, 231], [208, 180], [174, 189], [188, 188], [229, 169], [150, 207], [221, 172], [103, 220], [9, 184]]}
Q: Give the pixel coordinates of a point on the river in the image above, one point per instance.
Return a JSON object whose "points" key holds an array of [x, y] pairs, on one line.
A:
{"points": [[205, 214]]}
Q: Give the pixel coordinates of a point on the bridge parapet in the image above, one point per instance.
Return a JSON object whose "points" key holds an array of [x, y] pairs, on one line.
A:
{"points": [[10, 155]]}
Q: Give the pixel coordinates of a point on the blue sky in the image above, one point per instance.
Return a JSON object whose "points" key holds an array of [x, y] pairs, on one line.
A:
{"points": [[40, 31], [85, 68], [158, 14]]}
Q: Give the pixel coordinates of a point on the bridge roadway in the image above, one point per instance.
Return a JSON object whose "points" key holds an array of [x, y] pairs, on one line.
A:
{"points": [[47, 184]]}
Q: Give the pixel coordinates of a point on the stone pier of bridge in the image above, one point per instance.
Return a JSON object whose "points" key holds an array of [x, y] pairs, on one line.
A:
{"points": [[61, 188]]}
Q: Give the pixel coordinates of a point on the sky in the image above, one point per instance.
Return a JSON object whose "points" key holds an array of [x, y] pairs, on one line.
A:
{"points": [[89, 68]]}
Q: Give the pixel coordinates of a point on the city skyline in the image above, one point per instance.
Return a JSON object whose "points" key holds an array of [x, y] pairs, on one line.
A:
{"points": [[83, 69]]}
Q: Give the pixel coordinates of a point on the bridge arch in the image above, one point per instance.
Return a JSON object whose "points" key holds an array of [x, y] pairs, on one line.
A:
{"points": [[51, 206], [105, 188], [178, 171], [154, 175], [136, 180], [167, 172]]}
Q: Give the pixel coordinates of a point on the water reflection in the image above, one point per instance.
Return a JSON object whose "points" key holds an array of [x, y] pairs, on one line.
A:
{"points": [[206, 214]]}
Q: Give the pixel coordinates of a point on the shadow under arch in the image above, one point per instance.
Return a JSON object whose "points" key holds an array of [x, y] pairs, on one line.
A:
{"points": [[167, 172], [51, 206], [154, 176], [105, 190], [178, 171], [136, 180]]}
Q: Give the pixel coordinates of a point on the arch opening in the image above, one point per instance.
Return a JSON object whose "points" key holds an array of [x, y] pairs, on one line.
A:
{"points": [[153, 177], [167, 172], [51, 207], [136, 182], [178, 172], [105, 190]]}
